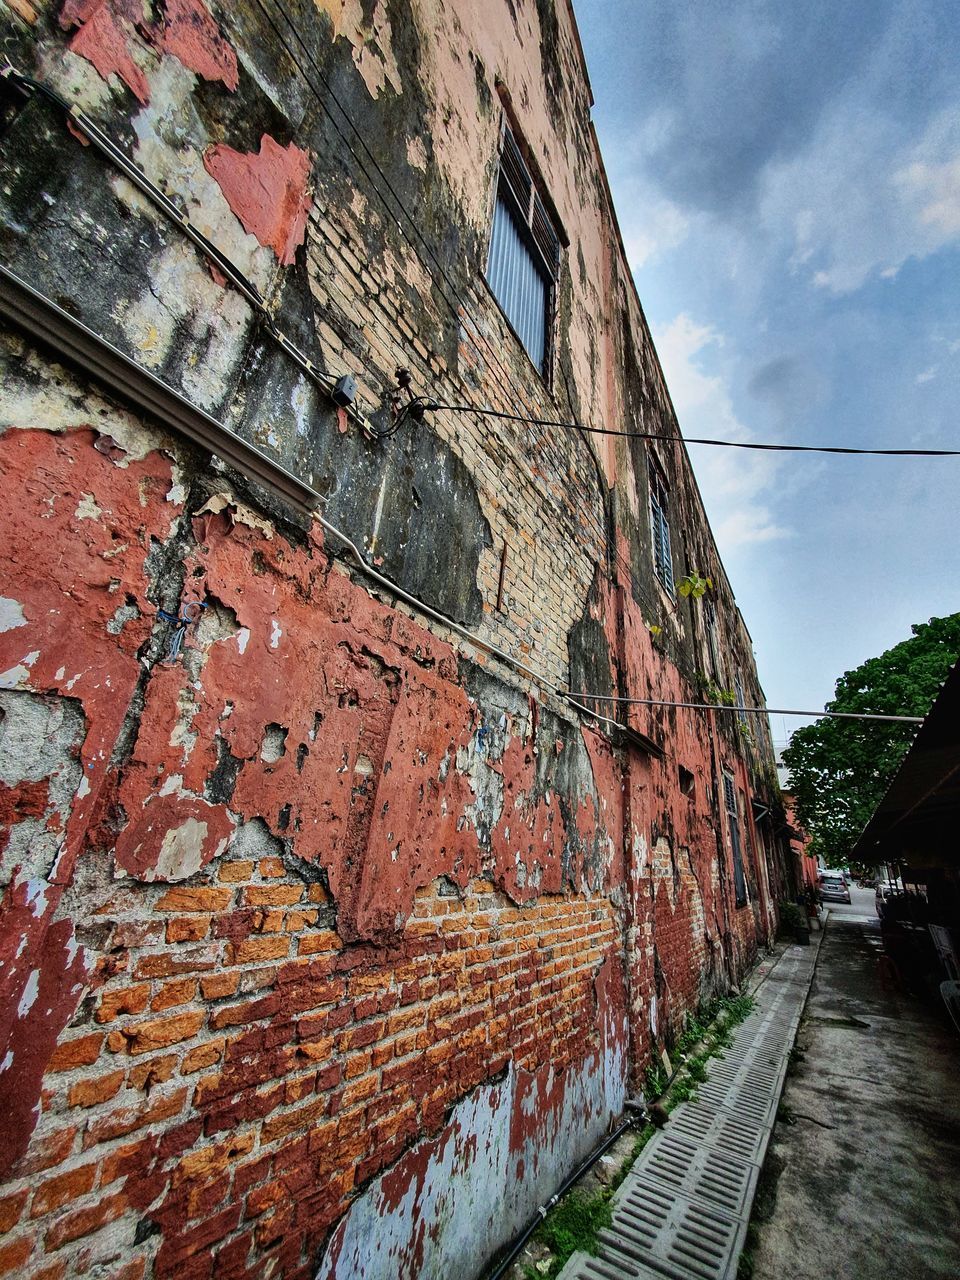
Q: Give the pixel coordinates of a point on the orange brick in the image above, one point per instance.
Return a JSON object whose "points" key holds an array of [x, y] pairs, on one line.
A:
{"points": [[323, 940], [143, 1037], [259, 949], [205, 898], [60, 1190], [11, 1207], [127, 1119], [278, 1126], [188, 928], [235, 872], [272, 895], [299, 920], [317, 893], [57, 1271], [126, 1000], [126, 1160], [265, 1197], [87, 1093], [219, 985], [204, 1055], [174, 993], [316, 1050], [272, 868], [73, 1226], [14, 1255], [147, 1074], [44, 1153], [359, 1091], [82, 1052], [357, 1064], [179, 961], [133, 1270]]}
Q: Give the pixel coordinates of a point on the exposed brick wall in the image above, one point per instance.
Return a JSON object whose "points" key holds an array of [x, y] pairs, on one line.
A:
{"points": [[333, 942]]}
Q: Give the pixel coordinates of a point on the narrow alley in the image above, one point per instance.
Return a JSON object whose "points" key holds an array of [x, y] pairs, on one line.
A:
{"points": [[862, 1177]]}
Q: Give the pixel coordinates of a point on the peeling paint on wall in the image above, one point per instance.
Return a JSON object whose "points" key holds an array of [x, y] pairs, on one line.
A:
{"points": [[267, 191]]}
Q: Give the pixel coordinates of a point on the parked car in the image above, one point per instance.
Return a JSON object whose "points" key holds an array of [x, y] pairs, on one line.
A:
{"points": [[834, 887]]}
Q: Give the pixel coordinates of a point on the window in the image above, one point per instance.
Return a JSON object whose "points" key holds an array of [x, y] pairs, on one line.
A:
{"points": [[733, 821], [524, 255], [713, 647], [660, 527], [738, 691]]}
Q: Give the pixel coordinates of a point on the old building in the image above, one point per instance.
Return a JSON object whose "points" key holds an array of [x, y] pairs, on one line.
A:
{"points": [[335, 931]]}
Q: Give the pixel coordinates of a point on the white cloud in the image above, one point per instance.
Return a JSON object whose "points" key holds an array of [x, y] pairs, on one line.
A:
{"points": [[936, 190], [927, 376], [870, 200], [733, 482]]}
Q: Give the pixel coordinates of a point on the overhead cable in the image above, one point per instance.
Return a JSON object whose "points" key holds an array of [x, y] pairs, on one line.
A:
{"points": [[732, 706], [427, 404]]}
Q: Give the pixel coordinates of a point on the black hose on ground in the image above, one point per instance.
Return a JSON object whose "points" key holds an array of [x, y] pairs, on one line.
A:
{"points": [[558, 1195]]}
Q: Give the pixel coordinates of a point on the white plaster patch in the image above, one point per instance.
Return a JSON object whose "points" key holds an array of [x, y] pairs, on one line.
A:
{"points": [[7, 1062], [30, 993], [18, 677], [181, 853], [243, 636], [37, 897], [87, 508], [276, 631], [11, 614]]}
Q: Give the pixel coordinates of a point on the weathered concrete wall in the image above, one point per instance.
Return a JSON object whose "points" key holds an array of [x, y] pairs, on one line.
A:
{"points": [[330, 944]]}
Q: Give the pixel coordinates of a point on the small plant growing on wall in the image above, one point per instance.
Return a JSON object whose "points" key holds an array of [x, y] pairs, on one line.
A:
{"points": [[694, 585], [713, 693]]}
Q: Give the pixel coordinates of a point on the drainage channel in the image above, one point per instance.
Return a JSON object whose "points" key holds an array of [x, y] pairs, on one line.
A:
{"points": [[681, 1213]]}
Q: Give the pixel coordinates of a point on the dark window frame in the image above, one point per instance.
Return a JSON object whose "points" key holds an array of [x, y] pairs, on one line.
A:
{"points": [[660, 529], [738, 694], [732, 808], [520, 208]]}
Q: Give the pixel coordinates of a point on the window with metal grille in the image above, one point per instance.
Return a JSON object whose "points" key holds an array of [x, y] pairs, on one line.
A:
{"points": [[733, 821], [524, 255], [738, 690], [713, 646], [660, 528]]}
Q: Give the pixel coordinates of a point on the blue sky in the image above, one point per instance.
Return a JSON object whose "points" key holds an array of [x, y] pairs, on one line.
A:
{"points": [[787, 179]]}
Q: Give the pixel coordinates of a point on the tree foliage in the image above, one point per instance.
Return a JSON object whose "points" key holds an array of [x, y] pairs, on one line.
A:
{"points": [[840, 769]]}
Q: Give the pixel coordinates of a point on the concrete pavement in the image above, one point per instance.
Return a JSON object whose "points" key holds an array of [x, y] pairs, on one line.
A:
{"points": [[862, 1177]]}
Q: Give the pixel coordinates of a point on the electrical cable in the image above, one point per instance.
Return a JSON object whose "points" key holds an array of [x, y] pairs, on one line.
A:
{"points": [[685, 440], [732, 706], [105, 145]]}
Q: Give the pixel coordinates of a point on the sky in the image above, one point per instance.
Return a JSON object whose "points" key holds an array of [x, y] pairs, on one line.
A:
{"points": [[787, 180]]}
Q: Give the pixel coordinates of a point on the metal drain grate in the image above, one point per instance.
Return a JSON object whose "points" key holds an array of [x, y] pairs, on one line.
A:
{"points": [[718, 1177], [673, 1233], [724, 1130], [681, 1212], [582, 1267]]}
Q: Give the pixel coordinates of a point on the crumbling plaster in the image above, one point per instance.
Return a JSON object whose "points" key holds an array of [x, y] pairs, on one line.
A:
{"points": [[330, 923]]}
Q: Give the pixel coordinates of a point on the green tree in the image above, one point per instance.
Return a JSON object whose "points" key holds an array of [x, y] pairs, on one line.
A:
{"points": [[840, 769]]}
